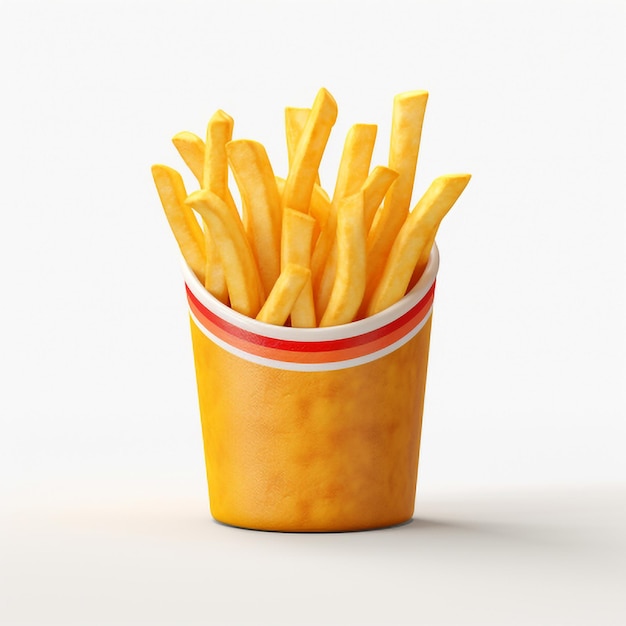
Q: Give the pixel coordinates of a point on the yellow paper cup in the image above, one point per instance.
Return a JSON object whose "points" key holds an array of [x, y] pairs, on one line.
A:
{"points": [[312, 429]]}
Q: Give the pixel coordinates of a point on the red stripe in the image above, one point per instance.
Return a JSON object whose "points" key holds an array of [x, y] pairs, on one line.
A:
{"points": [[311, 346], [316, 356]]}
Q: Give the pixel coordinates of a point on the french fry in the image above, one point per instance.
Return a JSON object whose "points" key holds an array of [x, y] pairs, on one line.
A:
{"points": [[349, 285], [304, 169], [319, 207], [219, 131], [321, 259], [191, 149], [375, 188], [182, 221], [416, 234], [214, 279], [210, 169], [215, 167], [406, 133], [262, 212], [353, 171], [355, 160], [284, 294], [242, 277], [297, 241], [295, 121], [324, 262]]}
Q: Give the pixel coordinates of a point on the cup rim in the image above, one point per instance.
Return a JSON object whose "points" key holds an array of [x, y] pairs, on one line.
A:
{"points": [[317, 334]]}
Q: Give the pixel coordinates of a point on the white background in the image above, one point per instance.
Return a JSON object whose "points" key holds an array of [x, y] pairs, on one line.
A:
{"points": [[98, 414]]}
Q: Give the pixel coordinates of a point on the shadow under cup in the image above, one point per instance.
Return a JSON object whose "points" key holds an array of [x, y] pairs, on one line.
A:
{"points": [[313, 429]]}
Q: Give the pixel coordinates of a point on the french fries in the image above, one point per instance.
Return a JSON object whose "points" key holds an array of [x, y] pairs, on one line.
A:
{"points": [[324, 262], [355, 160], [296, 244], [406, 133], [242, 277], [415, 237], [187, 231], [215, 166], [349, 284], [290, 254], [304, 169], [191, 148], [295, 121], [260, 205], [284, 294], [375, 188]]}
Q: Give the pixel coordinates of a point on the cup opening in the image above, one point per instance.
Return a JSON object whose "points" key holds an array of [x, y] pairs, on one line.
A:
{"points": [[358, 327]]}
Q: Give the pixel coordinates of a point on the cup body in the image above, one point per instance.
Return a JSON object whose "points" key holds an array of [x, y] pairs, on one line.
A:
{"points": [[312, 429]]}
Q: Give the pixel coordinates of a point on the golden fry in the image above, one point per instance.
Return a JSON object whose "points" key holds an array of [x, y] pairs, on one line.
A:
{"points": [[304, 170], [349, 285], [324, 262], [242, 277], [406, 133], [296, 245], [210, 172], [214, 279], [415, 235], [295, 121], [261, 205], [191, 149], [355, 160], [284, 294], [320, 257], [374, 189], [353, 171], [181, 218], [319, 207], [215, 168]]}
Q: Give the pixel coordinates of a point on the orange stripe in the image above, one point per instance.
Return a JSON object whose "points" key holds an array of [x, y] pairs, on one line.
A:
{"points": [[328, 356]]}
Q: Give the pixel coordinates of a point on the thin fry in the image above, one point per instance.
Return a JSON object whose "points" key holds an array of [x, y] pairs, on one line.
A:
{"points": [[191, 149], [296, 244], [349, 285], [215, 167], [214, 279], [374, 189], [324, 262], [414, 237], [209, 172], [304, 170], [295, 121], [320, 205], [284, 294], [406, 133], [182, 221], [320, 257], [242, 277], [318, 209], [219, 132], [355, 160], [261, 205]]}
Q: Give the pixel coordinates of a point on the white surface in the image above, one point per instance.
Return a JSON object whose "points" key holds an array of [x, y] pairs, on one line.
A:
{"points": [[530, 557], [526, 382]]}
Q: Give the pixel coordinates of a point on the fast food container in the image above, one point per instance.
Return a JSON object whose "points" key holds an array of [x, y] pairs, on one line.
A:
{"points": [[312, 429]]}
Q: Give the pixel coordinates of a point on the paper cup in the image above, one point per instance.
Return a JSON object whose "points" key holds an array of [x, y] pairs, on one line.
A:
{"points": [[312, 429]]}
